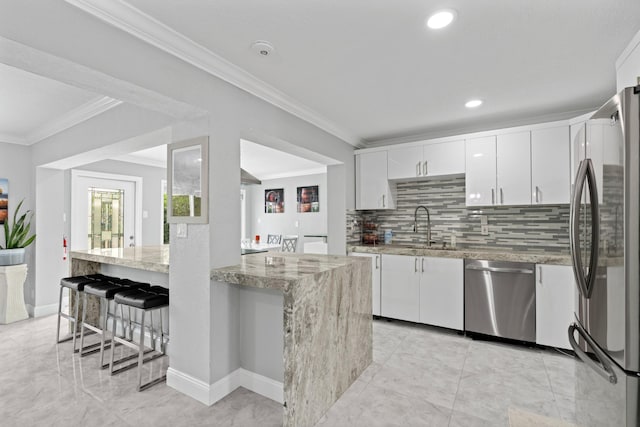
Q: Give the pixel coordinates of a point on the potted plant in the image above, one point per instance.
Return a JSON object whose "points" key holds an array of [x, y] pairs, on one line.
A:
{"points": [[16, 237]]}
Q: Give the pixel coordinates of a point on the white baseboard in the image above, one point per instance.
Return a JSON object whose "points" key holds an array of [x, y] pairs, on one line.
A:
{"points": [[212, 393], [262, 385], [188, 385], [41, 310]]}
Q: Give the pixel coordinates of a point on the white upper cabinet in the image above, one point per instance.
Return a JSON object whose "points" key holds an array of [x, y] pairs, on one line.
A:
{"points": [[578, 137], [550, 162], [520, 168], [595, 140], [372, 186], [444, 158], [513, 164], [405, 162], [427, 160], [481, 171]]}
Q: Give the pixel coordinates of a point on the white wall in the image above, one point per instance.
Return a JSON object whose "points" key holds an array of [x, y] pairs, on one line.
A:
{"points": [[51, 199], [285, 223], [628, 64], [261, 332], [15, 165], [151, 193]]}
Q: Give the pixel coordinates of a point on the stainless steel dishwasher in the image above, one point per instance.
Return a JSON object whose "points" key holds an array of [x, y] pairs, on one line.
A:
{"points": [[500, 299]]}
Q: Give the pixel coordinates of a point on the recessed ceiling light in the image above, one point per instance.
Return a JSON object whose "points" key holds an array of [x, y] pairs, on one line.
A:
{"points": [[441, 19], [473, 103], [262, 47]]}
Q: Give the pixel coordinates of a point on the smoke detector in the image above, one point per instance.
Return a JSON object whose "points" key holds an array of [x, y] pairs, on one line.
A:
{"points": [[262, 47]]}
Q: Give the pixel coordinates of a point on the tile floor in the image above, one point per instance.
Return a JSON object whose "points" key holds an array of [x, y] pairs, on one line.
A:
{"points": [[421, 376]]}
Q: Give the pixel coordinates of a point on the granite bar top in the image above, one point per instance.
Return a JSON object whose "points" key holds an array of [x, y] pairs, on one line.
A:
{"points": [[327, 324], [148, 258], [279, 270], [485, 254]]}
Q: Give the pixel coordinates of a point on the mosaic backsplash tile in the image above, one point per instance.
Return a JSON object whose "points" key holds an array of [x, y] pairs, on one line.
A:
{"points": [[521, 228]]}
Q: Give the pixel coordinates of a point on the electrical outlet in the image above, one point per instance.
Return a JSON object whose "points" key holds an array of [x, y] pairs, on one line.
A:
{"points": [[484, 230]]}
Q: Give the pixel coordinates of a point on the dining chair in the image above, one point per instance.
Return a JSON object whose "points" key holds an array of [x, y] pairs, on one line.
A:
{"points": [[289, 244], [274, 239]]}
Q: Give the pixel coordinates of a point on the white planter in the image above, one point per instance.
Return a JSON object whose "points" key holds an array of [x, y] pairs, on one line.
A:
{"points": [[11, 256], [12, 307]]}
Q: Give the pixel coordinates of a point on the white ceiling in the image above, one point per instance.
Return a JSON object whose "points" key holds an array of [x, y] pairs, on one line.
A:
{"points": [[260, 161], [366, 70], [266, 163], [372, 68], [34, 107]]}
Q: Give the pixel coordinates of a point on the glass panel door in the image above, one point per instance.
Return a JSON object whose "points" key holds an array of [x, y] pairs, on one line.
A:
{"points": [[106, 218]]}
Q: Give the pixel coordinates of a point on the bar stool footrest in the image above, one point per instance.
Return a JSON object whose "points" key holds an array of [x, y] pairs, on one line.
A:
{"points": [[135, 365], [152, 383]]}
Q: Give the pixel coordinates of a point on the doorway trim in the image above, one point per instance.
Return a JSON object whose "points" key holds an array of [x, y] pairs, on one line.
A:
{"points": [[137, 182]]}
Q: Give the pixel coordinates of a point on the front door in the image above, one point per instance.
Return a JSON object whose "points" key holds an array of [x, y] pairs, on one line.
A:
{"points": [[103, 210]]}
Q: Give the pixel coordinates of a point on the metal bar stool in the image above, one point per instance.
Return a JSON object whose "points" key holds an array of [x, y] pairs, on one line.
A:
{"points": [[105, 291], [74, 284], [146, 300]]}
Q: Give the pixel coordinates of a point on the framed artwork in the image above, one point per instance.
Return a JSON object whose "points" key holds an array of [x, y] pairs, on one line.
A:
{"points": [[308, 200], [274, 200], [4, 199], [188, 181]]}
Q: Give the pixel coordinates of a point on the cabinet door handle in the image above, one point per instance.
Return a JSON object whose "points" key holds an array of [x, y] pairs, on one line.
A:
{"points": [[424, 166], [418, 169], [501, 196], [377, 258], [537, 194], [383, 201], [423, 265], [540, 275], [493, 196], [415, 265]]}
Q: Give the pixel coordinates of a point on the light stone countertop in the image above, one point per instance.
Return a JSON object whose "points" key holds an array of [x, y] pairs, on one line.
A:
{"points": [[278, 270], [488, 254], [148, 258]]}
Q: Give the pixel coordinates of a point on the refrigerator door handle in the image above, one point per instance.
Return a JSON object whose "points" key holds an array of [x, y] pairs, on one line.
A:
{"points": [[586, 173], [603, 368]]}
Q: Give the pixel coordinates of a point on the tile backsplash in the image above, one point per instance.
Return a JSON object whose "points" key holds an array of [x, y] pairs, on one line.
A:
{"points": [[521, 228]]}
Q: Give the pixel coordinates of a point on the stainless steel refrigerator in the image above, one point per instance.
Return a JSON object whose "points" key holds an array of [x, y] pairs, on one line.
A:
{"points": [[605, 240]]}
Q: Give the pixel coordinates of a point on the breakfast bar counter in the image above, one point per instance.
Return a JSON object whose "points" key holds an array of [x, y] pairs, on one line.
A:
{"points": [[148, 258], [149, 264], [327, 323]]}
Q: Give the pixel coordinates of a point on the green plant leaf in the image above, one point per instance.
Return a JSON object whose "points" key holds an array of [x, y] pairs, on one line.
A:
{"points": [[15, 235]]}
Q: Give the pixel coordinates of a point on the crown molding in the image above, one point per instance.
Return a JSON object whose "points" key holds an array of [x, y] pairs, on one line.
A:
{"points": [[72, 118], [127, 18], [12, 139]]}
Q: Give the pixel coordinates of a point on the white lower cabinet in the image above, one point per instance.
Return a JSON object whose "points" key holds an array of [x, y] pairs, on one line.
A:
{"points": [[376, 269], [401, 287], [556, 300], [442, 292], [423, 289]]}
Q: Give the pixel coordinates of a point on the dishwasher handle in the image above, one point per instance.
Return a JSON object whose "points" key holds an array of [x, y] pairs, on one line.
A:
{"points": [[501, 269]]}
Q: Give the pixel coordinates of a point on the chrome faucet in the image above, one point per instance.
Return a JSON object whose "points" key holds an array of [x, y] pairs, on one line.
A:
{"points": [[415, 223]]}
